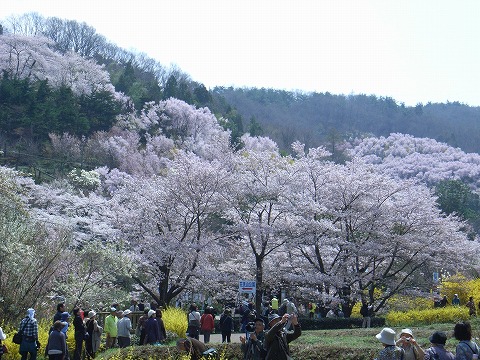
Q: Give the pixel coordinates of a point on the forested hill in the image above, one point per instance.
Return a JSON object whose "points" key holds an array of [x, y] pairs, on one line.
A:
{"points": [[318, 118]]}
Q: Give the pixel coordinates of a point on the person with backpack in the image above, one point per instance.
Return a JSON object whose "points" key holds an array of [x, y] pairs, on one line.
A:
{"points": [[437, 350], [277, 339], [194, 322], [466, 348]]}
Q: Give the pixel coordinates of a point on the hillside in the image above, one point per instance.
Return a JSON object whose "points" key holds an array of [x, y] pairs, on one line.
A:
{"points": [[319, 118]]}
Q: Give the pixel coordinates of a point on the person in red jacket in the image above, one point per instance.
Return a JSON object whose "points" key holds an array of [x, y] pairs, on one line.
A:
{"points": [[207, 324]]}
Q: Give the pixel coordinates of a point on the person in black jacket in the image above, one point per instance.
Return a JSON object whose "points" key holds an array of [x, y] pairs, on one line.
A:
{"points": [[79, 333], [277, 339], [226, 325]]}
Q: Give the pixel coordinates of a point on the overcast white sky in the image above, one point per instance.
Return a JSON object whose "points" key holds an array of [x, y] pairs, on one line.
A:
{"points": [[411, 50]]}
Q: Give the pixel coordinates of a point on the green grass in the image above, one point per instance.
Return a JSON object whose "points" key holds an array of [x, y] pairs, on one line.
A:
{"points": [[347, 344]]}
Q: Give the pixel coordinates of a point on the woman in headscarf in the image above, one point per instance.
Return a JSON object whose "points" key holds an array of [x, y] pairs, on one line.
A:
{"points": [[29, 329]]}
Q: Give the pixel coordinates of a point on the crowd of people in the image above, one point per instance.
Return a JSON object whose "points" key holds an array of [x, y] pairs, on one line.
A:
{"points": [[407, 348], [264, 336]]}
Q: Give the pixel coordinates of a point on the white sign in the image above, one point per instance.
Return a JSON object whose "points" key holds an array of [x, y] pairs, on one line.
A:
{"points": [[247, 286]]}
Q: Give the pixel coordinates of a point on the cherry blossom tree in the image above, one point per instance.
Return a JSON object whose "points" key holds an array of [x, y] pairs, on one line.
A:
{"points": [[426, 160], [257, 208], [364, 231], [172, 221]]}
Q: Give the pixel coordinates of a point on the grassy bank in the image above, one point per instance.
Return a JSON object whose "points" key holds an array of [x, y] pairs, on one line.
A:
{"points": [[348, 344]]}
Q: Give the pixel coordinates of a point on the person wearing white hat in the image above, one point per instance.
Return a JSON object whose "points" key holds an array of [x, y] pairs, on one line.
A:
{"points": [[92, 343], [124, 327], [390, 351], [111, 328], [29, 329], [407, 342], [152, 329]]}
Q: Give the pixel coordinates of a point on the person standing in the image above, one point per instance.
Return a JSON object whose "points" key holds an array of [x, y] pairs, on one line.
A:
{"points": [[79, 333], [207, 324], [111, 328], [456, 300], [124, 326], [466, 348], [365, 311], [140, 330], [161, 325], [93, 342], [194, 322], [253, 346], [437, 350], [58, 314], [472, 310], [390, 351], [277, 339], [152, 330], [2, 337], [407, 342], [226, 325], [57, 345], [29, 329]]}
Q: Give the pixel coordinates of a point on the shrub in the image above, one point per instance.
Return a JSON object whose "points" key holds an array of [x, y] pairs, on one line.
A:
{"points": [[338, 323], [449, 314], [175, 320]]}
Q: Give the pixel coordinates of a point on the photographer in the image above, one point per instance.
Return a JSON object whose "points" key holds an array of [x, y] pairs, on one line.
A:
{"points": [[277, 339], [252, 346], [407, 342]]}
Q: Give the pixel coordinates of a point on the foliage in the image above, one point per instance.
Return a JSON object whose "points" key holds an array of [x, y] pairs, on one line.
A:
{"points": [[175, 320], [450, 314], [462, 286], [403, 303]]}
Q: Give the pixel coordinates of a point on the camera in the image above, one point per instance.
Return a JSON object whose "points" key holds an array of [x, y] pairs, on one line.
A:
{"points": [[250, 327], [407, 339]]}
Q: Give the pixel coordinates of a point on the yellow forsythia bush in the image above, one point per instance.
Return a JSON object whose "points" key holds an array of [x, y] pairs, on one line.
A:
{"points": [[43, 332], [175, 320], [459, 284], [449, 314]]}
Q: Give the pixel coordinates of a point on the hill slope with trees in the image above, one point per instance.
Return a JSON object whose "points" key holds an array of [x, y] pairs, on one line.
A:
{"points": [[324, 118]]}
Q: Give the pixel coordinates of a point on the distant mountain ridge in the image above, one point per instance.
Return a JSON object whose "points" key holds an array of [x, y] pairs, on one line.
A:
{"points": [[314, 118]]}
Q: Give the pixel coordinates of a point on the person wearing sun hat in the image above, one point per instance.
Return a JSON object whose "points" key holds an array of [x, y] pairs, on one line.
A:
{"points": [[407, 342], [95, 331], [437, 350], [124, 327], [390, 351]]}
